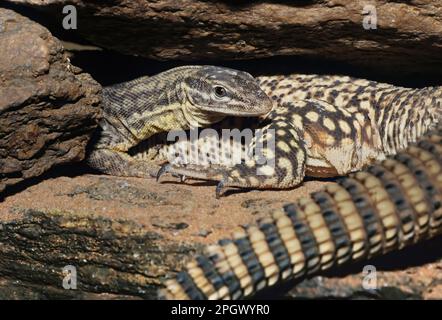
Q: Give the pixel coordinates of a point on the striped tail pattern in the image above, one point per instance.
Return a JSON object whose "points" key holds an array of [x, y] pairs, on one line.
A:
{"points": [[392, 204]]}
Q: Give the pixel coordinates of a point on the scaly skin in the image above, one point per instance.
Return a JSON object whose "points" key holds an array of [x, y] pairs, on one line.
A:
{"points": [[138, 111], [327, 126], [391, 205]]}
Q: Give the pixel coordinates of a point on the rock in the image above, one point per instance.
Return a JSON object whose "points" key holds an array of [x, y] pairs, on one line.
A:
{"points": [[48, 109], [407, 38], [123, 248]]}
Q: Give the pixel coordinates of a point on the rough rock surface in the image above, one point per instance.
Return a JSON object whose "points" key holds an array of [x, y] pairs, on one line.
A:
{"points": [[47, 107], [408, 38], [125, 235]]}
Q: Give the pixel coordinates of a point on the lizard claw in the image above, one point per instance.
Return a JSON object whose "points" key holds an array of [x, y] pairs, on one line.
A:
{"points": [[219, 189], [164, 169]]}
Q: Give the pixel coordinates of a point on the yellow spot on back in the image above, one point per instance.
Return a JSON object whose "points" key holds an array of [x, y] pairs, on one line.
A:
{"points": [[339, 101], [329, 107], [301, 95], [283, 146], [352, 109], [329, 124], [360, 117], [312, 116], [344, 127], [297, 120], [365, 105]]}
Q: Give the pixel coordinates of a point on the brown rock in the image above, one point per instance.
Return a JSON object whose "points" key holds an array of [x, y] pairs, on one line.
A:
{"points": [[408, 37], [47, 108]]}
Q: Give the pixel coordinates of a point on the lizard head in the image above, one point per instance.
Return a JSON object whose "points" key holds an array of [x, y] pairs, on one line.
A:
{"points": [[225, 92]]}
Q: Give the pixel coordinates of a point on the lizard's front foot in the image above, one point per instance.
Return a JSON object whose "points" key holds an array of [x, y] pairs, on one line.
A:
{"points": [[209, 174], [195, 172], [169, 168], [244, 175]]}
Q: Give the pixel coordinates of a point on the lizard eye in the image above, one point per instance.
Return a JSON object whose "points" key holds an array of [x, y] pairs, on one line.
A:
{"points": [[220, 92]]}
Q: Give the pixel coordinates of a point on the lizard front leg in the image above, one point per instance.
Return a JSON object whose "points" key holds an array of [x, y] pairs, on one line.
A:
{"points": [[117, 163], [278, 161], [109, 154]]}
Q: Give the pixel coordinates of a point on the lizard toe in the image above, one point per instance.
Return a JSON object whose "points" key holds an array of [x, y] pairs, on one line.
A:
{"points": [[219, 189], [165, 168]]}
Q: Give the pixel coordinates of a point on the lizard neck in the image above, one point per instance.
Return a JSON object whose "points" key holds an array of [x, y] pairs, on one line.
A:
{"points": [[160, 106], [197, 118]]}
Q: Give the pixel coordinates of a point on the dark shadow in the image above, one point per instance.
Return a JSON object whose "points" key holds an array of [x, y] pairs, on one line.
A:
{"points": [[126, 67], [193, 183], [231, 191], [65, 170]]}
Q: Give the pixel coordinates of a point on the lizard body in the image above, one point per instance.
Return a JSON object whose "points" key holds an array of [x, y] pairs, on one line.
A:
{"points": [[327, 126], [180, 98], [392, 204]]}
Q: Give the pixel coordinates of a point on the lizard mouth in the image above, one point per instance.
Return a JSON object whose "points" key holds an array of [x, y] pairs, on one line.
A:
{"points": [[241, 110]]}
